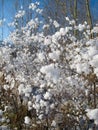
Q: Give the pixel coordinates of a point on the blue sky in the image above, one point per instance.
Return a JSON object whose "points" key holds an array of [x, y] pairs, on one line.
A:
{"points": [[9, 12], [94, 8]]}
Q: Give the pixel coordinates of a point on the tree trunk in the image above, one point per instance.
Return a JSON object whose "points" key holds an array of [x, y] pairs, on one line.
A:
{"points": [[88, 13], [75, 14]]}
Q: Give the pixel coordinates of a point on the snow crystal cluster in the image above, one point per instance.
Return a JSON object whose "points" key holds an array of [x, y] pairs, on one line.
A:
{"points": [[93, 115], [20, 14]]}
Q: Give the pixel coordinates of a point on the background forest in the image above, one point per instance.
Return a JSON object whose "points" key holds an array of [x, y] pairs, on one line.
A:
{"points": [[55, 9]]}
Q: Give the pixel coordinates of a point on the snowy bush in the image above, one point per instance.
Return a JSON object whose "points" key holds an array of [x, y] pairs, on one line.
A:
{"points": [[48, 80]]}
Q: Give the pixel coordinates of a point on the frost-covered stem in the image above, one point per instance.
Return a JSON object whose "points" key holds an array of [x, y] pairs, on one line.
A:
{"points": [[94, 95], [47, 127], [15, 103], [75, 127]]}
